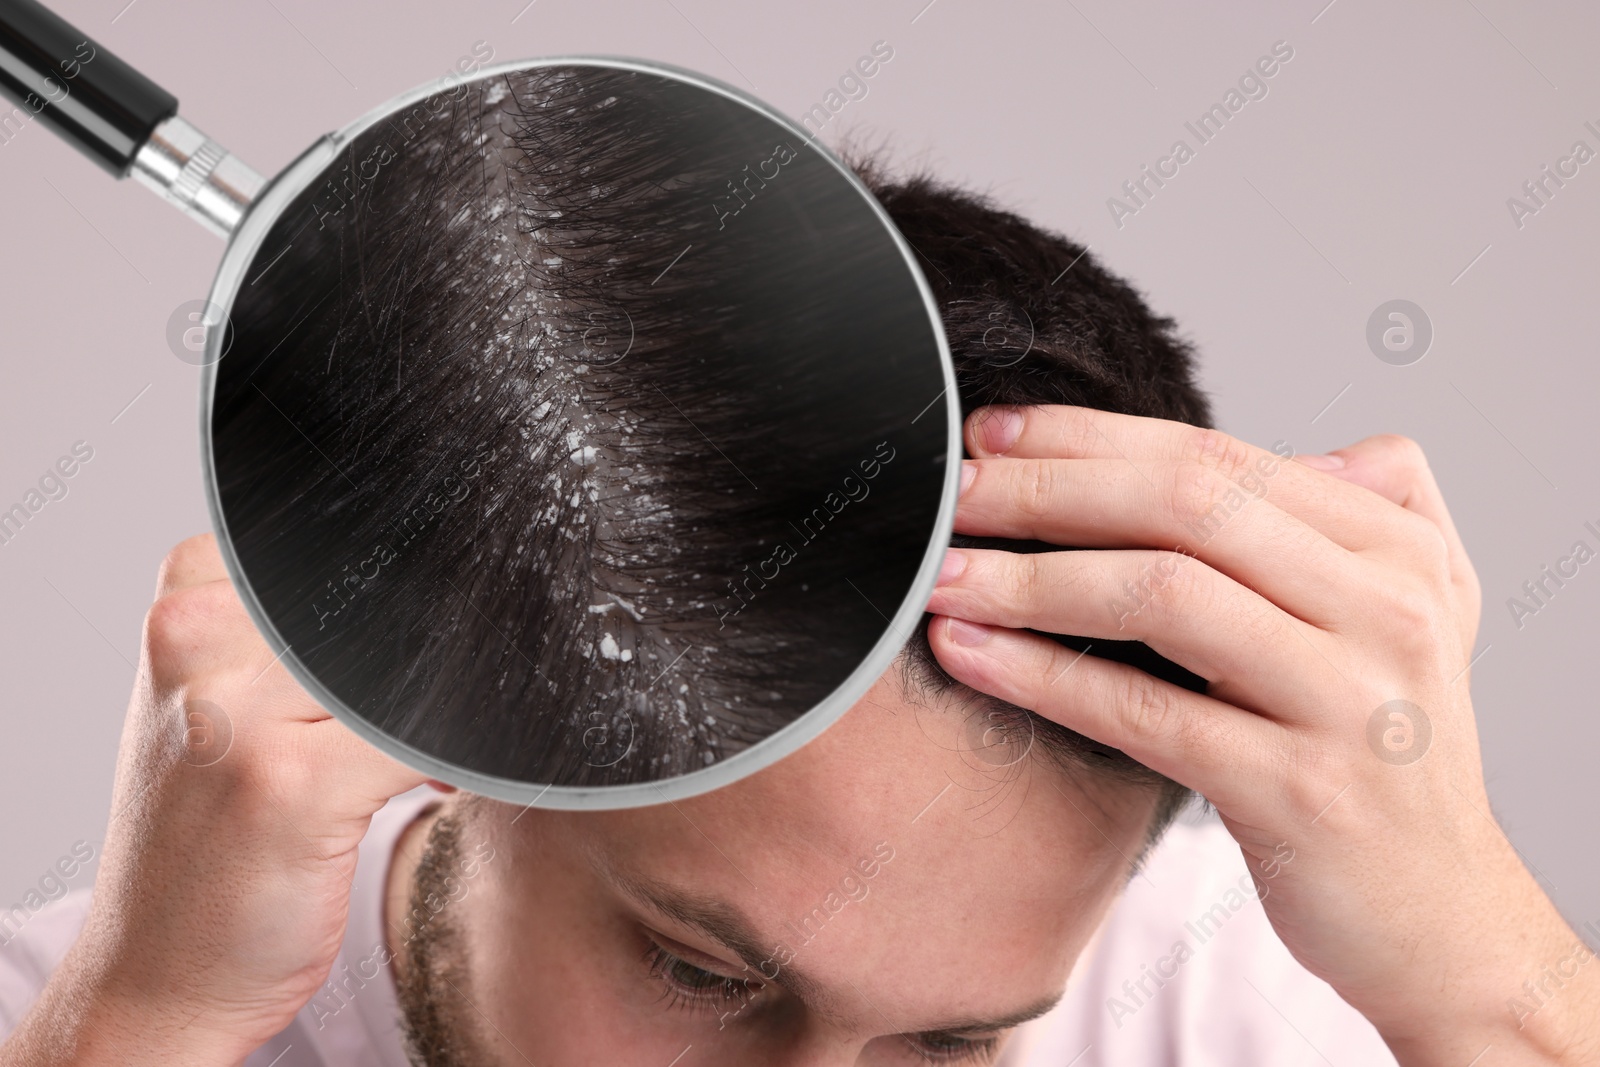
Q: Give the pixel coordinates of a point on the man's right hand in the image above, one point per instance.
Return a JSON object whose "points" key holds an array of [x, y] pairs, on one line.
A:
{"points": [[221, 899]]}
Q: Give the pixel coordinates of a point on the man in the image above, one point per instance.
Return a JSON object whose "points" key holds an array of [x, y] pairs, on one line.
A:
{"points": [[938, 868]]}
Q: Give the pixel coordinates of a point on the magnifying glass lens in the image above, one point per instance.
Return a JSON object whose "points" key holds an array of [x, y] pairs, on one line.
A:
{"points": [[583, 427]]}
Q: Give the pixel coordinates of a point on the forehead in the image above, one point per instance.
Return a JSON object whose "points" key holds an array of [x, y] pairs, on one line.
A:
{"points": [[897, 853]]}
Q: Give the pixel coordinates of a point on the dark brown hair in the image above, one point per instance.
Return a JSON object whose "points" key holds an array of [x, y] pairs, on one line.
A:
{"points": [[1033, 318]]}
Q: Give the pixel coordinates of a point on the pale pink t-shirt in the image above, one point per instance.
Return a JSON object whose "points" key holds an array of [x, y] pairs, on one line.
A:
{"points": [[1231, 996]]}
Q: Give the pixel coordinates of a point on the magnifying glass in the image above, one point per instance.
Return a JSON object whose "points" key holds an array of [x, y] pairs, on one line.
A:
{"points": [[579, 432]]}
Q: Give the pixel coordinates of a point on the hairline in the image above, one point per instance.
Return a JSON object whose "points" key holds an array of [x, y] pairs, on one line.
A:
{"points": [[918, 680]]}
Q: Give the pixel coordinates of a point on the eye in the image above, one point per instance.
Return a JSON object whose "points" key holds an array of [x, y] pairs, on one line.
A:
{"points": [[689, 986], [949, 1048]]}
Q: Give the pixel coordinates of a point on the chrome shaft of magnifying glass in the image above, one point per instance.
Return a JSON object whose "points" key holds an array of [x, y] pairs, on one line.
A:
{"points": [[197, 175]]}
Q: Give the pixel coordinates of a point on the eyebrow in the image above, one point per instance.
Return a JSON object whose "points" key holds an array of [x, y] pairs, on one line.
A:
{"points": [[725, 924]]}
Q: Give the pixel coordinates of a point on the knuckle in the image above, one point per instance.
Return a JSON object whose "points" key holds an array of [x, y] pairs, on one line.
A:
{"points": [[180, 620], [1412, 608], [1310, 777], [169, 625], [1403, 452], [1076, 430], [1195, 496], [1260, 622], [1140, 590], [1146, 708], [1185, 591], [1250, 618], [1036, 488], [1220, 452], [183, 557], [1025, 578], [1428, 540]]}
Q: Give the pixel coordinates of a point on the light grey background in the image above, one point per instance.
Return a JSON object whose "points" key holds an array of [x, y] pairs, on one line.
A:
{"points": [[1377, 167]]}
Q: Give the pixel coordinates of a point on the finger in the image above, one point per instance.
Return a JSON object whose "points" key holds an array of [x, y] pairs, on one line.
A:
{"points": [[191, 562], [1396, 469], [197, 629], [1107, 503], [1344, 514], [1245, 646], [204, 632], [1196, 740]]}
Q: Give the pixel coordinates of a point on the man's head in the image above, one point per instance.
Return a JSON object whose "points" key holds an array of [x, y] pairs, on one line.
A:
{"points": [[904, 889], [935, 862]]}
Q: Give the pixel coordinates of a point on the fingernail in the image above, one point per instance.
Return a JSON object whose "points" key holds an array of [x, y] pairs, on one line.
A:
{"points": [[969, 471], [954, 563], [999, 429], [968, 633], [1321, 463]]}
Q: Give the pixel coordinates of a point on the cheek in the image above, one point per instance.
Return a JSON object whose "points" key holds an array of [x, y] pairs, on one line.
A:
{"points": [[537, 965]]}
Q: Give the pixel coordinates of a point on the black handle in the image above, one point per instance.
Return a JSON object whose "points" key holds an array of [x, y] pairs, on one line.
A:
{"points": [[94, 100]]}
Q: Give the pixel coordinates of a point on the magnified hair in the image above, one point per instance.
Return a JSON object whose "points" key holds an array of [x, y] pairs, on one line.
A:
{"points": [[573, 429]]}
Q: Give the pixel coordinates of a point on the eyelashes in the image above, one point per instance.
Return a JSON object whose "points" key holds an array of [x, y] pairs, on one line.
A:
{"points": [[946, 1048], [689, 987]]}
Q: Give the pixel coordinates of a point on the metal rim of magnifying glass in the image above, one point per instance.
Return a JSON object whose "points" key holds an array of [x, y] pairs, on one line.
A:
{"points": [[241, 251]]}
